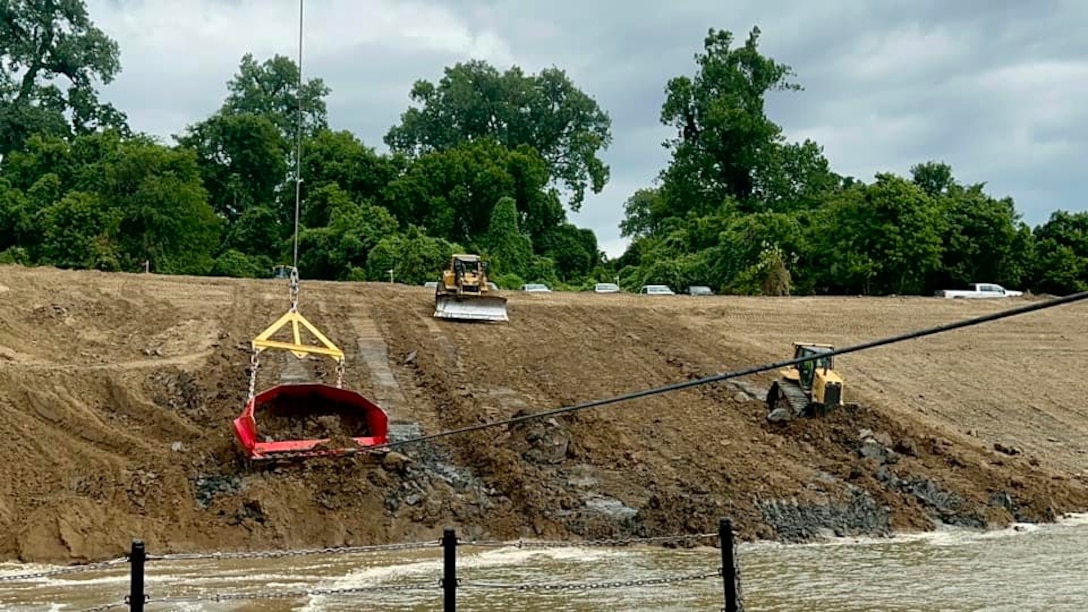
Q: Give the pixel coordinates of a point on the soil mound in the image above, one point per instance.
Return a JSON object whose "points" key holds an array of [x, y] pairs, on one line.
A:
{"points": [[117, 393]]}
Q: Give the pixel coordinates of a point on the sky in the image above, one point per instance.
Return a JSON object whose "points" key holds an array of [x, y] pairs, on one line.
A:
{"points": [[996, 88]]}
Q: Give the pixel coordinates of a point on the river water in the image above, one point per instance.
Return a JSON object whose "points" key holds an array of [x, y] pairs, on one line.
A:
{"points": [[1027, 567]]}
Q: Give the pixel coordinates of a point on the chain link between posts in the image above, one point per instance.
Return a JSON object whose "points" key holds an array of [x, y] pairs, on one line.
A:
{"points": [[302, 552], [601, 543], [75, 569], [294, 594], [104, 607], [588, 586]]}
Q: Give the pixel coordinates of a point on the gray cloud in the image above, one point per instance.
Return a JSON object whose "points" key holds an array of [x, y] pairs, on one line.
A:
{"points": [[993, 88]]}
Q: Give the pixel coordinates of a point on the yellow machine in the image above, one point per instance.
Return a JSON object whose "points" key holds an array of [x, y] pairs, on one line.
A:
{"points": [[465, 293], [806, 388]]}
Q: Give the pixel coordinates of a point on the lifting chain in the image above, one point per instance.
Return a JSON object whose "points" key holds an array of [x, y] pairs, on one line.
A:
{"points": [[340, 373], [294, 289], [254, 365]]}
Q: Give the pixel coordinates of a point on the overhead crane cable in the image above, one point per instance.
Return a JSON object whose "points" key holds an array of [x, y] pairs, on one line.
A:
{"points": [[1003, 314], [298, 138]]}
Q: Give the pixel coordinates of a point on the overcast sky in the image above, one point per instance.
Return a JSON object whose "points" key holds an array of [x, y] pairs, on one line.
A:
{"points": [[997, 88]]}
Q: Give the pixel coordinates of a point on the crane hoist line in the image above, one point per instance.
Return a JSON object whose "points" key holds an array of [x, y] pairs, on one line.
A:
{"points": [[311, 418]]}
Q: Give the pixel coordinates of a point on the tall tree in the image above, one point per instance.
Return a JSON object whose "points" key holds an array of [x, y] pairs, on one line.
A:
{"points": [[41, 43], [242, 160], [546, 111], [726, 146], [510, 250], [450, 194], [270, 89], [1061, 252]]}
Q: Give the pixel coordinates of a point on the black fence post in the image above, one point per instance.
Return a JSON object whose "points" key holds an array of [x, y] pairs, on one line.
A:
{"points": [[136, 558], [730, 569], [449, 570]]}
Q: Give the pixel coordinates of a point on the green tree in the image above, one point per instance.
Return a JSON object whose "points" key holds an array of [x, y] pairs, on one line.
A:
{"points": [[643, 213], [726, 146], [340, 159], [46, 45], [271, 89], [79, 231], [509, 249], [546, 111], [450, 194], [572, 250], [1061, 253], [259, 232], [934, 177], [414, 257], [882, 238], [165, 215], [154, 194], [339, 250], [242, 160], [17, 225]]}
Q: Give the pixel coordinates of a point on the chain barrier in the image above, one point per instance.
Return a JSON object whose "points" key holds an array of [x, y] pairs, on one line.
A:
{"points": [[587, 586], [105, 607], [601, 543], [294, 594], [75, 569], [302, 552]]}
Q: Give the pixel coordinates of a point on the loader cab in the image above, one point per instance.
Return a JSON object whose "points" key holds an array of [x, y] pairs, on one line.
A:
{"points": [[807, 370]]}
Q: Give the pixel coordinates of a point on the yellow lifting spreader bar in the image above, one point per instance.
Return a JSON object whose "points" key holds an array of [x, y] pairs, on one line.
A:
{"points": [[300, 350]]}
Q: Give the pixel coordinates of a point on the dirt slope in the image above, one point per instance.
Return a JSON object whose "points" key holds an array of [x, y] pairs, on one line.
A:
{"points": [[117, 391]]}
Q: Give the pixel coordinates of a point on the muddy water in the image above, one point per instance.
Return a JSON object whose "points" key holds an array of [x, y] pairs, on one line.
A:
{"points": [[1027, 568]]}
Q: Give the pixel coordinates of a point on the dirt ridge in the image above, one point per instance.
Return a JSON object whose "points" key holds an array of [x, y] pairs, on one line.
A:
{"points": [[117, 393]]}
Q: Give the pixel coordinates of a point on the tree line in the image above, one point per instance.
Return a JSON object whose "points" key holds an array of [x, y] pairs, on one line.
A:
{"points": [[740, 208], [483, 161]]}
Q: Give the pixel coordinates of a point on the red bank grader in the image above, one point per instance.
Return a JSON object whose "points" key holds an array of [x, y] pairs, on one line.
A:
{"points": [[332, 420]]}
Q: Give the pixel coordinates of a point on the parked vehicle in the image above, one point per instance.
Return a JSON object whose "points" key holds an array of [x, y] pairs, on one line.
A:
{"points": [[699, 290], [979, 290], [656, 290], [606, 288], [536, 288]]}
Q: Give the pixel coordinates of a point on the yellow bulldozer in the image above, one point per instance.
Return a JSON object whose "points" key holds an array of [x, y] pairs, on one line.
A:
{"points": [[464, 292], [807, 388]]}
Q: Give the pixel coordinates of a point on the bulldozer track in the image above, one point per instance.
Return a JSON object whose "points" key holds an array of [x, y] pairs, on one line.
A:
{"points": [[792, 395]]}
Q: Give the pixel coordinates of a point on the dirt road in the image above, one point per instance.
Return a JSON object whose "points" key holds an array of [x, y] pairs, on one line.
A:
{"points": [[117, 391]]}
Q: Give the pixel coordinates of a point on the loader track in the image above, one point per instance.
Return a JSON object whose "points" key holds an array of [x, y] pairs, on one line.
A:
{"points": [[788, 395]]}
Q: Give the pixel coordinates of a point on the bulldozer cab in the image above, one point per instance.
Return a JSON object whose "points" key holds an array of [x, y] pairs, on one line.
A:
{"points": [[469, 264], [807, 370]]}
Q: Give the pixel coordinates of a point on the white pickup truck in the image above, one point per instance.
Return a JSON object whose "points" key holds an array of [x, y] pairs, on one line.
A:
{"points": [[980, 290]]}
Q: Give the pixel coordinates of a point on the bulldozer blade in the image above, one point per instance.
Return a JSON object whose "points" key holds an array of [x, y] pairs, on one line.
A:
{"points": [[483, 308]]}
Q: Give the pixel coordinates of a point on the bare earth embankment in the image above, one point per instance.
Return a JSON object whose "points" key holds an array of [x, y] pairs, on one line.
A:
{"points": [[117, 392]]}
